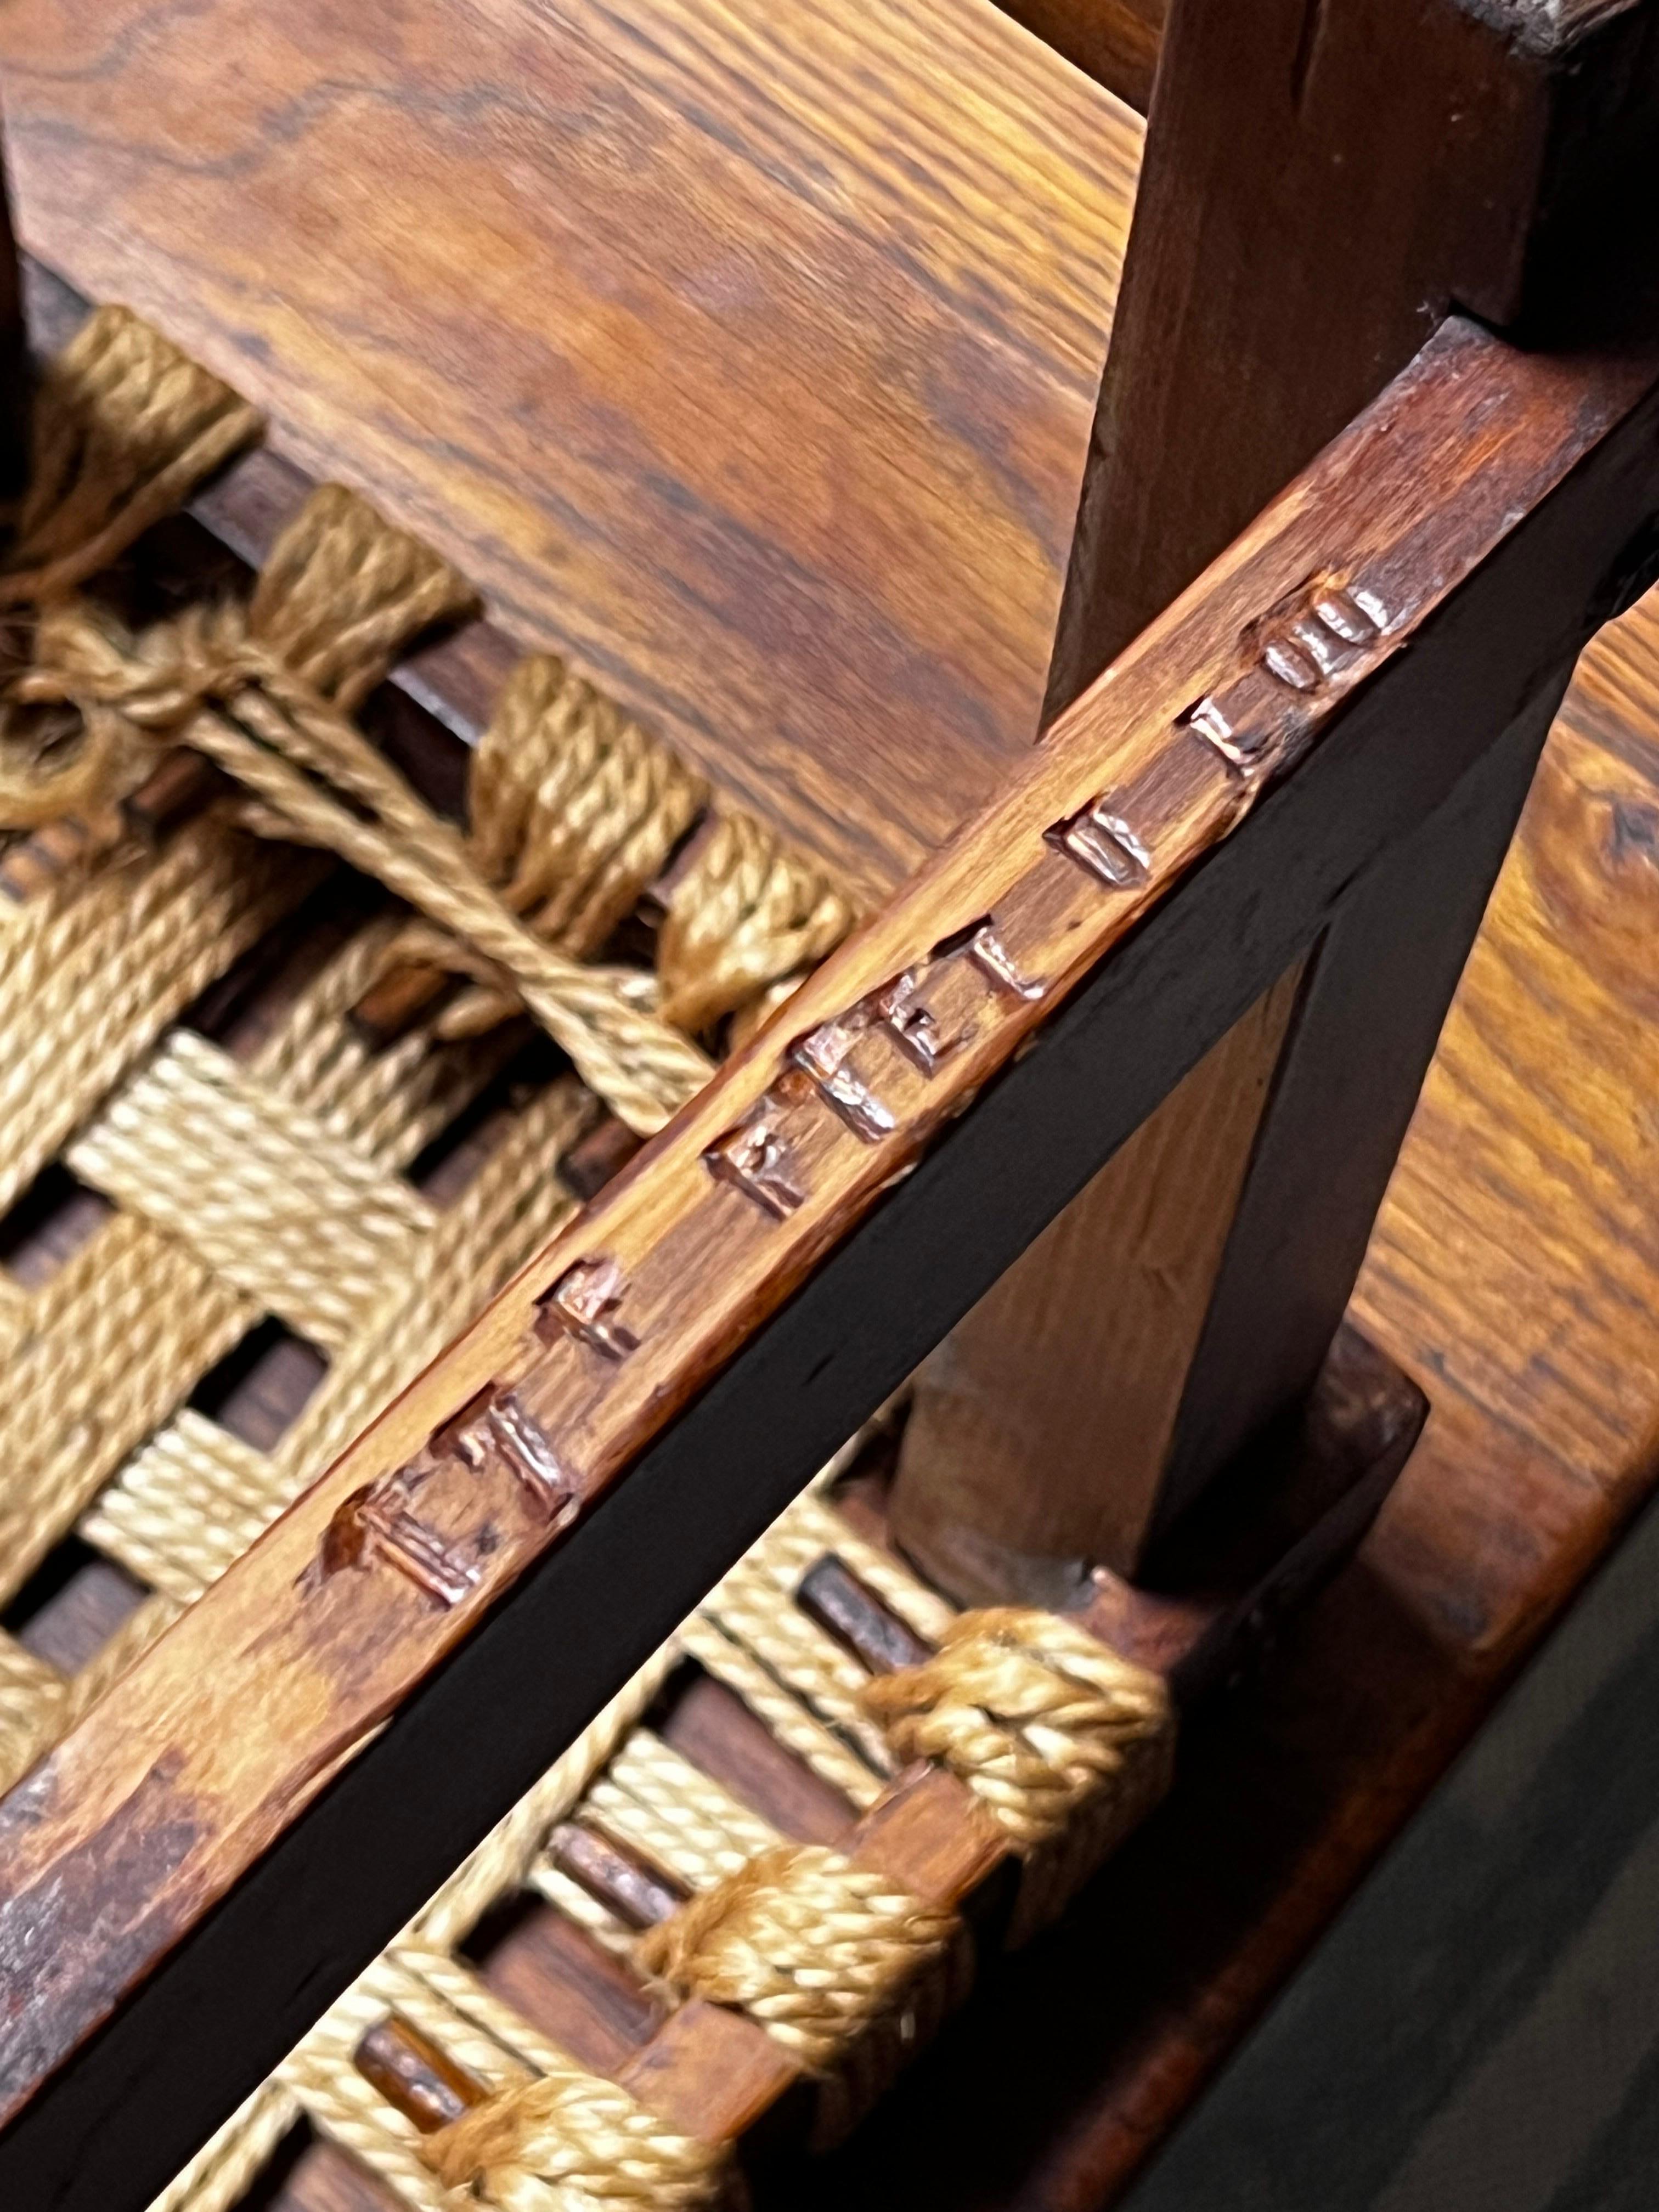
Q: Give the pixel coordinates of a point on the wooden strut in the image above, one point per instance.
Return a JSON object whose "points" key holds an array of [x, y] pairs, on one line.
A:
{"points": [[1272, 285], [782, 1254]]}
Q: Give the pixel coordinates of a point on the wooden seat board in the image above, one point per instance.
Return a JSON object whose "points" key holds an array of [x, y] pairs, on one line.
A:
{"points": [[745, 351]]}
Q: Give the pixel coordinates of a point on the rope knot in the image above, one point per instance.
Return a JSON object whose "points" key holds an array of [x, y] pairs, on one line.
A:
{"points": [[815, 1948], [1034, 1713], [562, 2143]]}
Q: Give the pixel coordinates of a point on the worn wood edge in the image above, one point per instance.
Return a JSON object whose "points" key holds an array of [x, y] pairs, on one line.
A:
{"points": [[85, 1780], [1549, 29]]}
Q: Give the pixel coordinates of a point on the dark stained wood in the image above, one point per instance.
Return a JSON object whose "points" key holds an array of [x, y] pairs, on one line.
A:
{"points": [[422, 2083], [1276, 277], [717, 2075], [1039, 1439], [72, 1605], [1115, 41], [1345, 1088], [764, 403], [832, 1595], [1515, 1270], [311, 2174], [640, 1895], [1294, 229], [1294, 1506], [1423, 494], [713, 1728], [930, 1835], [564, 1982]]}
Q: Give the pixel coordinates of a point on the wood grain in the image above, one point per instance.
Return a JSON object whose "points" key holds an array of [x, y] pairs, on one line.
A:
{"points": [[1515, 1270], [1275, 282], [1192, 1292], [743, 353], [1410, 505], [1042, 1425]]}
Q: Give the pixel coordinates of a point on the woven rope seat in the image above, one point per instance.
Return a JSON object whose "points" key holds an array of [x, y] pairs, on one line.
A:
{"points": [[193, 823]]}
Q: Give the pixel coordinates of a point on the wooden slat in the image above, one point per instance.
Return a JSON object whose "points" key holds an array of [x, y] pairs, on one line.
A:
{"points": [[745, 353], [1115, 41], [1416, 499]]}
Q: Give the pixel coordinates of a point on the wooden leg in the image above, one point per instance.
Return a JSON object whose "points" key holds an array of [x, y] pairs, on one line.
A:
{"points": [[1378, 991], [1271, 286], [1192, 1292], [1015, 1475]]}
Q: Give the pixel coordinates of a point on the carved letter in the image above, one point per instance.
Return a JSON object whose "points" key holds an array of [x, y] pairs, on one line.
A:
{"points": [[755, 1159], [1104, 844], [580, 1304], [986, 951], [822, 1053], [914, 1027]]}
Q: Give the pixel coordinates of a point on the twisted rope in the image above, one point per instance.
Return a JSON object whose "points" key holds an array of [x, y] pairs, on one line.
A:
{"points": [[124, 427], [748, 914], [1035, 1714], [216, 679], [815, 1948], [565, 2141]]}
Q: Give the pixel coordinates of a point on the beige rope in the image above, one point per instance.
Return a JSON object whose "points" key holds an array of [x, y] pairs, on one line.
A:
{"points": [[258, 1188], [124, 427], [1033, 1712], [552, 2137], [813, 1948], [746, 913], [563, 2142], [787, 1714], [662, 1805], [321, 782], [574, 811], [89, 980]]}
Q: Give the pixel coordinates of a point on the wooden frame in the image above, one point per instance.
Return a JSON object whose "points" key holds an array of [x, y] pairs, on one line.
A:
{"points": [[843, 1215]]}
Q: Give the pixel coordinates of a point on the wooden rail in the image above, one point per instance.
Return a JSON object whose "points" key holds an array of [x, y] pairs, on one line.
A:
{"points": [[206, 1861]]}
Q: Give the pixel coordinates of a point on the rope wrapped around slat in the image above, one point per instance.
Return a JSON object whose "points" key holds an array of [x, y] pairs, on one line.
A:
{"points": [[265, 692]]}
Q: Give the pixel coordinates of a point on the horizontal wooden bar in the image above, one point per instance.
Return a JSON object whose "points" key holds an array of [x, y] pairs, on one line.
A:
{"points": [[780, 1257]]}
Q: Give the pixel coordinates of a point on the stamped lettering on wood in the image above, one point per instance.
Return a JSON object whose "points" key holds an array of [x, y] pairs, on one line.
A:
{"points": [[825, 1055], [1259, 722], [1104, 844], [990, 956], [756, 1159], [521, 1445], [375, 1525], [913, 1024], [580, 1304]]}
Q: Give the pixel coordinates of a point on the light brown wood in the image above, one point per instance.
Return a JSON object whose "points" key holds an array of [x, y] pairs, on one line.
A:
{"points": [[238, 1715], [773, 422], [1042, 1423]]}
